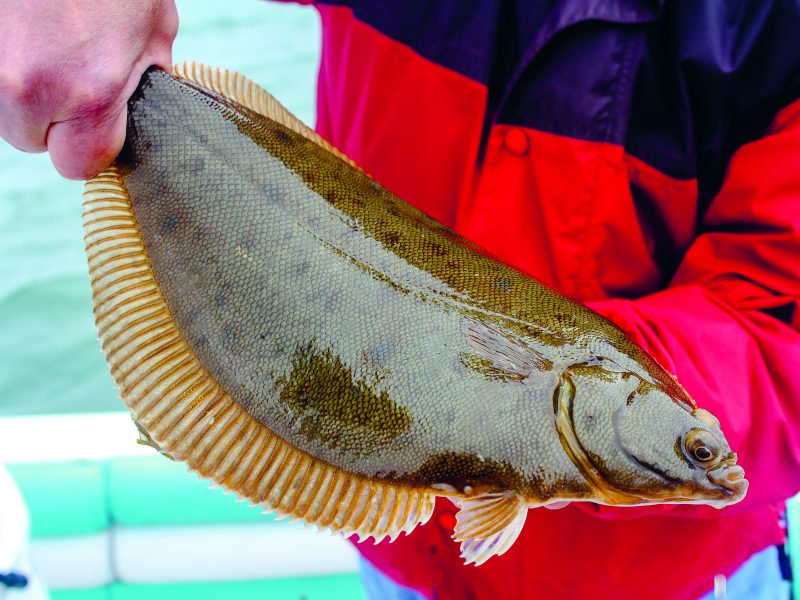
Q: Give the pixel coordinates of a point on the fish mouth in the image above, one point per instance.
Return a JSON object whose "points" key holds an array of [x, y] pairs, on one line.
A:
{"points": [[729, 476]]}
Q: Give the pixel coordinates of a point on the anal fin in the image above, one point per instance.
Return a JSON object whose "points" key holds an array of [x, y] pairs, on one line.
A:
{"points": [[488, 524]]}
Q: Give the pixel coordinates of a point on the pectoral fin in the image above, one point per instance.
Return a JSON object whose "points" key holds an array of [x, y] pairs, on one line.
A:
{"points": [[507, 355], [488, 524]]}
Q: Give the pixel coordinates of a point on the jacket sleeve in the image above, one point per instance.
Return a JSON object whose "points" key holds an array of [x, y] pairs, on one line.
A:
{"points": [[728, 326]]}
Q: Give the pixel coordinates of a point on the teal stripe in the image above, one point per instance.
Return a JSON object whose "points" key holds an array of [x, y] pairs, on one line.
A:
{"points": [[339, 587], [793, 515], [156, 491], [64, 499], [334, 587], [80, 498], [102, 593]]}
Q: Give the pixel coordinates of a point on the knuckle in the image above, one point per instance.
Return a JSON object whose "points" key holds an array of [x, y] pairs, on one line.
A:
{"points": [[97, 95]]}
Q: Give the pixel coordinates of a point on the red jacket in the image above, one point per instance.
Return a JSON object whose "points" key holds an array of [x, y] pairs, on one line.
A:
{"points": [[641, 158]]}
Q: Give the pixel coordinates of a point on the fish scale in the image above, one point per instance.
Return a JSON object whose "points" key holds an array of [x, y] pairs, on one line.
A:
{"points": [[286, 309], [355, 343]]}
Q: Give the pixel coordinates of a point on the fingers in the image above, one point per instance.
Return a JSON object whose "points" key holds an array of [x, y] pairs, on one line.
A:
{"points": [[68, 69], [82, 147], [23, 133], [92, 134], [23, 114], [161, 49]]}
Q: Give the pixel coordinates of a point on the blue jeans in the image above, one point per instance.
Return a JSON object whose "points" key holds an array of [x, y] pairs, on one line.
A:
{"points": [[757, 579]]}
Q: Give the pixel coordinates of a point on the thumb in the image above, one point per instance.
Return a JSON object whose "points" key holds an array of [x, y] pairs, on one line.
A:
{"points": [[83, 146]]}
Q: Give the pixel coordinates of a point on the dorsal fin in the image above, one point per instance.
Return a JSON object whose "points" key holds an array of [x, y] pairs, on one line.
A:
{"points": [[237, 87]]}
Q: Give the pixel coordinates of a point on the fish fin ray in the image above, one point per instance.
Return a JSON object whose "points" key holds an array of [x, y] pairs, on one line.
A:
{"points": [[245, 91], [488, 524], [183, 410], [506, 353], [558, 505], [145, 440]]}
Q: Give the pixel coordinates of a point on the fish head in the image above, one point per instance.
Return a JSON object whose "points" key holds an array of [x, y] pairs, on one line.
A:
{"points": [[671, 439], [642, 442]]}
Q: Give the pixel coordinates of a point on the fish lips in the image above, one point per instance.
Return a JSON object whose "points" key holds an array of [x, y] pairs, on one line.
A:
{"points": [[729, 476]]}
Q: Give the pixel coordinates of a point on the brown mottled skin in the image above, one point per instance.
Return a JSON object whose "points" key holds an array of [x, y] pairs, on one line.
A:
{"points": [[365, 333]]}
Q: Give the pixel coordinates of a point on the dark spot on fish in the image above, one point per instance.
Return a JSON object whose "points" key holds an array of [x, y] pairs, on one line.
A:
{"points": [[332, 301], [220, 300], [436, 249], [302, 268], [198, 166], [170, 224], [334, 196], [201, 341], [392, 238], [230, 337], [199, 137], [194, 314], [160, 124], [502, 284], [249, 239], [382, 350], [325, 297], [282, 136], [274, 193], [335, 408]]}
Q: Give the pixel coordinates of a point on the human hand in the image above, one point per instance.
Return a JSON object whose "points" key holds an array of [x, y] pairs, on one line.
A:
{"points": [[67, 69]]}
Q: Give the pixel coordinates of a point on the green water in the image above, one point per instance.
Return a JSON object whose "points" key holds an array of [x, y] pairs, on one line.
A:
{"points": [[50, 361]]}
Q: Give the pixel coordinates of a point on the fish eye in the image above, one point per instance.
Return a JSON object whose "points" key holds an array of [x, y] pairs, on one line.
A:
{"points": [[701, 446], [702, 453]]}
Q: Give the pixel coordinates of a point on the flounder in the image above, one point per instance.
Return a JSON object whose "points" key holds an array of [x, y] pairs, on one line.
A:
{"points": [[301, 336]]}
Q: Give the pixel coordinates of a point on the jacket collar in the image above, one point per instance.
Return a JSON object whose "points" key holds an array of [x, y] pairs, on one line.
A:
{"points": [[566, 13]]}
